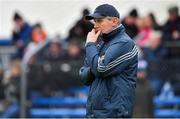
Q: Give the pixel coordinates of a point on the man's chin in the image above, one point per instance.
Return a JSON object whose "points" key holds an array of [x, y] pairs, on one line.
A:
{"points": [[104, 33]]}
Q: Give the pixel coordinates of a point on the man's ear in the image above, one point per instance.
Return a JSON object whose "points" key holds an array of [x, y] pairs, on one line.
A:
{"points": [[115, 22]]}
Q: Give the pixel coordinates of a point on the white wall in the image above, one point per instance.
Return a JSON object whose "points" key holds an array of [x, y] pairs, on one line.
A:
{"points": [[58, 16]]}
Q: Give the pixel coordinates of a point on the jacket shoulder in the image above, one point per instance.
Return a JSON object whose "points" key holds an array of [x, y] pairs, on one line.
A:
{"points": [[123, 38]]}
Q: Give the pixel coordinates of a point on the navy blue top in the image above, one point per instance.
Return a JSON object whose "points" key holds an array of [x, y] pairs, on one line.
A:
{"points": [[110, 69]]}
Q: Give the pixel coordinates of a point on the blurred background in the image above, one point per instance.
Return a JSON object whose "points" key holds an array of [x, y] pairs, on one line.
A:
{"points": [[42, 50]]}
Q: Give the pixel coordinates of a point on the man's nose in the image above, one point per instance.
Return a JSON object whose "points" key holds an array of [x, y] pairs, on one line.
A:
{"points": [[96, 26]]}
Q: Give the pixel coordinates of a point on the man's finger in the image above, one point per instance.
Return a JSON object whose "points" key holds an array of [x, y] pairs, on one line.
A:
{"points": [[98, 33], [93, 30]]}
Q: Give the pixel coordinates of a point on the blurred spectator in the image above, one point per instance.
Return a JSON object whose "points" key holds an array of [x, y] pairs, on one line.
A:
{"points": [[3, 101], [38, 33], [155, 25], [21, 34], [60, 69], [144, 96], [12, 82], [146, 32], [81, 28], [55, 52], [171, 32], [151, 47], [1, 85], [35, 75], [129, 23], [171, 29], [74, 51], [38, 37], [152, 54], [65, 71], [155, 51]]}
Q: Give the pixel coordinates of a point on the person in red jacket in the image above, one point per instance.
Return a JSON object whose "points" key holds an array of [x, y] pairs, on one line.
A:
{"points": [[38, 34]]}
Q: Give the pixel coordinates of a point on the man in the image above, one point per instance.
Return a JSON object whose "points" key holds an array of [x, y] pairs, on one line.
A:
{"points": [[171, 32], [21, 35], [129, 23], [110, 66]]}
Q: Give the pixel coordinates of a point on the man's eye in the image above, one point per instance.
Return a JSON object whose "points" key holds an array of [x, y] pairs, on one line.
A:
{"points": [[98, 20]]}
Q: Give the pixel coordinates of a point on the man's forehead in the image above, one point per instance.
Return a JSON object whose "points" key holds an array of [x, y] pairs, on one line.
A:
{"points": [[109, 18], [98, 19]]}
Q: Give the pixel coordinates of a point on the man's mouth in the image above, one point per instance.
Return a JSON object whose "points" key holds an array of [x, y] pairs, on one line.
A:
{"points": [[97, 29]]}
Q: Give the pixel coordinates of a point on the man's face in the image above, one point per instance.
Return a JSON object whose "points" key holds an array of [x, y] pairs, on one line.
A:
{"points": [[105, 25], [173, 16], [19, 23]]}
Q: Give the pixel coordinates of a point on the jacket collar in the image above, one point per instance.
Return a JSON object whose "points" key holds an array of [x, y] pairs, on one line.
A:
{"points": [[112, 34]]}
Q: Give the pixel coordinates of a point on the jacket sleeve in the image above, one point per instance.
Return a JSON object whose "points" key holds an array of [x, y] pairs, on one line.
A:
{"points": [[115, 59], [86, 76]]}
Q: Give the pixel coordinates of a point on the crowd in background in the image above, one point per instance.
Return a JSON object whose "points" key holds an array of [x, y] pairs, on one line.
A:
{"points": [[155, 42]]}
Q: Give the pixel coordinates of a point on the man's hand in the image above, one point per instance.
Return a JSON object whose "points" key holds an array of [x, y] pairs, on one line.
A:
{"points": [[92, 36]]}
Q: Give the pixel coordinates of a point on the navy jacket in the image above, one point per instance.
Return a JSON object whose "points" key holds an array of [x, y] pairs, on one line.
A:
{"points": [[110, 69]]}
